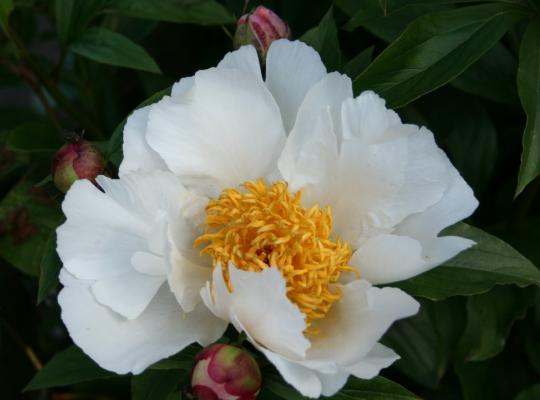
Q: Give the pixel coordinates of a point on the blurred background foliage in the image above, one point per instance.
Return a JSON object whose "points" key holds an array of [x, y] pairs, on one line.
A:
{"points": [[468, 70]]}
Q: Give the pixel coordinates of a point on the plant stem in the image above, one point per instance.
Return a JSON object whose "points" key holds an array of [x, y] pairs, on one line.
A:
{"points": [[34, 360], [51, 88]]}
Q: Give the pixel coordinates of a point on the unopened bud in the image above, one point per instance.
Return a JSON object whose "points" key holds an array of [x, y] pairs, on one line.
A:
{"points": [[76, 160], [224, 372], [260, 28]]}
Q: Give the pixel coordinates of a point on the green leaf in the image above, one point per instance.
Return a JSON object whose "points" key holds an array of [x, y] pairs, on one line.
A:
{"points": [[488, 263], [468, 135], [492, 77], [180, 361], [500, 378], [154, 384], [378, 388], [73, 17], [489, 319], [114, 153], [434, 49], [49, 268], [324, 39], [528, 81], [531, 393], [426, 341], [359, 63], [387, 19], [33, 138], [108, 47], [202, 12], [66, 368], [6, 7], [28, 215]]}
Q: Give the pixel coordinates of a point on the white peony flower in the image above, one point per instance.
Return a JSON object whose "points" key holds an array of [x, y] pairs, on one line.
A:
{"points": [[277, 203]]}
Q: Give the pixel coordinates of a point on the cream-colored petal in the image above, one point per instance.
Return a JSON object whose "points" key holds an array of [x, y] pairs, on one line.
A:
{"points": [[259, 306], [226, 131], [137, 153], [130, 345], [292, 68]]}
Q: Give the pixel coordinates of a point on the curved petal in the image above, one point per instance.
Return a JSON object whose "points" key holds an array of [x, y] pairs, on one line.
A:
{"points": [[118, 237], [303, 379], [186, 280], [358, 321], [379, 357], [228, 130], [457, 203], [121, 345], [310, 153], [386, 177], [389, 258], [182, 88], [259, 306], [366, 118], [292, 68], [137, 152], [245, 59]]}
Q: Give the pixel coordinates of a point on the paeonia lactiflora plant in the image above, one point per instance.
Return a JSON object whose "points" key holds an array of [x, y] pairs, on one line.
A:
{"points": [[287, 221]]}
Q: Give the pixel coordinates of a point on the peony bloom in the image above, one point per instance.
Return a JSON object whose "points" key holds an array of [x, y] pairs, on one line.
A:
{"points": [[276, 204]]}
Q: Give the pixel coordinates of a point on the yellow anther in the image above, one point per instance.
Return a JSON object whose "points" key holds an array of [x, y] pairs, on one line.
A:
{"points": [[265, 225]]}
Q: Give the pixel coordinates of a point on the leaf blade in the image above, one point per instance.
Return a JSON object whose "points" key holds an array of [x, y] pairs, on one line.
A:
{"points": [[528, 80], [434, 49], [112, 48], [489, 263]]}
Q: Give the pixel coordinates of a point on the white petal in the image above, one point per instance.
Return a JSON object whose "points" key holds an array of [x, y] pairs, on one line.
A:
{"points": [[310, 163], [245, 59], [137, 153], [99, 235], [389, 258], [457, 203], [310, 153], [362, 195], [227, 131], [369, 367], [186, 280], [121, 345], [332, 383], [117, 237], [292, 68], [181, 89], [128, 294], [329, 93], [303, 379], [259, 305], [367, 118], [357, 322]]}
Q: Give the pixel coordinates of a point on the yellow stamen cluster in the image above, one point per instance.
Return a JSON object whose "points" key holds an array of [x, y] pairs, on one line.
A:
{"points": [[267, 226]]}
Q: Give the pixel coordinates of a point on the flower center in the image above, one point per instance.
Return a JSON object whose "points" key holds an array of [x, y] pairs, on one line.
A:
{"points": [[266, 226]]}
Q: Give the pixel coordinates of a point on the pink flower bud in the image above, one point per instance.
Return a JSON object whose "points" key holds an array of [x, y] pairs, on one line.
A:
{"points": [[77, 160], [224, 372], [260, 28]]}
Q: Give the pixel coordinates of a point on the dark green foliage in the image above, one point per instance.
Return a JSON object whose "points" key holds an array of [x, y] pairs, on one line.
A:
{"points": [[468, 70]]}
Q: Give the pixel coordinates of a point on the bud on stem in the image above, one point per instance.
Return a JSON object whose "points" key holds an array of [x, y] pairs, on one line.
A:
{"points": [[260, 28], [225, 372], [78, 159]]}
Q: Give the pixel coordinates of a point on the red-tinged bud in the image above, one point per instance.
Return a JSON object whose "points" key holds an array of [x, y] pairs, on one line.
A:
{"points": [[260, 28], [224, 372], [76, 160]]}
